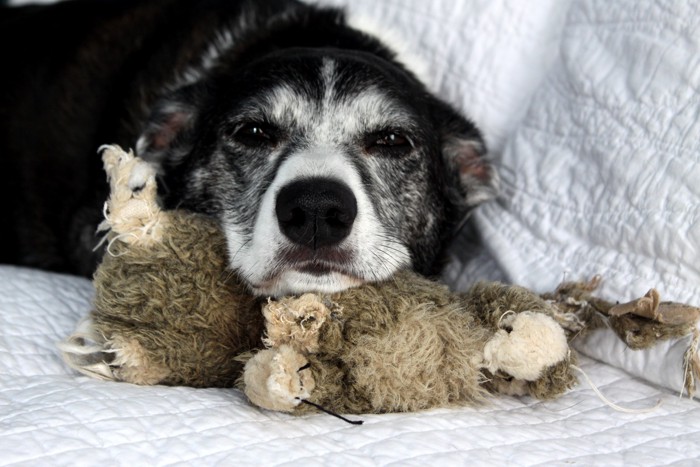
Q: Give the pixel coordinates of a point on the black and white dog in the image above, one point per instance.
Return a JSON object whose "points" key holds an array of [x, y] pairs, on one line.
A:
{"points": [[326, 160]]}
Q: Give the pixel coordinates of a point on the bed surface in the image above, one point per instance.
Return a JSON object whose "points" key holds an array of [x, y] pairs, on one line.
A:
{"points": [[51, 416], [570, 96]]}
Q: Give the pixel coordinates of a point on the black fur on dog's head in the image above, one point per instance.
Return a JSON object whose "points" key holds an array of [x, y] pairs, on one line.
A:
{"points": [[327, 162]]}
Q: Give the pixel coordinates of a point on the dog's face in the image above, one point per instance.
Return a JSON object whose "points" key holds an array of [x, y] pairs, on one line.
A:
{"points": [[326, 168]]}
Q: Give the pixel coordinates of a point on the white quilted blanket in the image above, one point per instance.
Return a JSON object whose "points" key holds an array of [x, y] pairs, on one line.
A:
{"points": [[591, 111], [51, 416]]}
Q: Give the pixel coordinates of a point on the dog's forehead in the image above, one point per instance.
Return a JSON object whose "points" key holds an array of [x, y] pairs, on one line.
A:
{"points": [[338, 94]]}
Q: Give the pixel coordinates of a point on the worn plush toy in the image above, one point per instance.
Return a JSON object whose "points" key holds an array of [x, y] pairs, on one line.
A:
{"points": [[409, 344], [168, 311]]}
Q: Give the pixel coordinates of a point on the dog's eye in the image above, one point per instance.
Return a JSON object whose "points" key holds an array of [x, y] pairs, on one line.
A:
{"points": [[255, 134], [391, 139], [389, 142]]}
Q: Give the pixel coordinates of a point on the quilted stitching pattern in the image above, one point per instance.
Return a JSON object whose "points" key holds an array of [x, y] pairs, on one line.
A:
{"points": [[602, 175], [50, 416]]}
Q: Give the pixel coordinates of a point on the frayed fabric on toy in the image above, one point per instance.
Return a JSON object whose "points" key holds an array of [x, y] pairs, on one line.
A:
{"points": [[641, 324]]}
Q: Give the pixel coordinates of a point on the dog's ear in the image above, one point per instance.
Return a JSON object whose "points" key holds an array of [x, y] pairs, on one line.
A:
{"points": [[168, 135], [474, 179]]}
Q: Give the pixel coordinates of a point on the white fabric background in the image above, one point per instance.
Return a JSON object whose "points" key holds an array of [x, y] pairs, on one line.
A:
{"points": [[602, 175]]}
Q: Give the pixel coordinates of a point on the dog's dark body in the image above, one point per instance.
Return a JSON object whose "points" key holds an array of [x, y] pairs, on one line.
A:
{"points": [[238, 103], [78, 75]]}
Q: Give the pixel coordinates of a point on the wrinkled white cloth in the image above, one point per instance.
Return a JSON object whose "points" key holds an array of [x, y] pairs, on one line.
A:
{"points": [[602, 175]]}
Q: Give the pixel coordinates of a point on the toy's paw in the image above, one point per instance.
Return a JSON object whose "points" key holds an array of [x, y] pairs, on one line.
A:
{"points": [[89, 353], [278, 379], [132, 211], [86, 352], [526, 344], [295, 322]]}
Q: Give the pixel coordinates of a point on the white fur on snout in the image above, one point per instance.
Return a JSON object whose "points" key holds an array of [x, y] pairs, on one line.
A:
{"points": [[375, 257]]}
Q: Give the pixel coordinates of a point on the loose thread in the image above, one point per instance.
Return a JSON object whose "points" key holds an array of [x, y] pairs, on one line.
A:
{"points": [[691, 365], [611, 404], [322, 409]]}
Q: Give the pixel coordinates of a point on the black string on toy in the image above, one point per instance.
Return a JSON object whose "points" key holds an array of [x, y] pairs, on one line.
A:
{"points": [[352, 422]]}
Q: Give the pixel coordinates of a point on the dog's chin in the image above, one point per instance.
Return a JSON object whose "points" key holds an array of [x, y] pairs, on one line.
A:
{"points": [[299, 281]]}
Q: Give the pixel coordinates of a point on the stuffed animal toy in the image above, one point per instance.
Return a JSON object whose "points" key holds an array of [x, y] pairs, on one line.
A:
{"points": [[168, 311], [409, 344]]}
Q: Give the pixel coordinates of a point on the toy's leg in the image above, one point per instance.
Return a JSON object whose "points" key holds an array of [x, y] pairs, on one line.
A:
{"points": [[88, 352], [640, 323], [526, 345], [278, 379], [651, 307], [84, 351], [132, 211], [295, 322]]}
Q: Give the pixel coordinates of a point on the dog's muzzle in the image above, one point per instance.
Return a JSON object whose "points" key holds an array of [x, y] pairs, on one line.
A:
{"points": [[316, 212]]}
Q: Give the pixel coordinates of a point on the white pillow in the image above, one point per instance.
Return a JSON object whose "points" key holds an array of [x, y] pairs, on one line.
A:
{"points": [[603, 174]]}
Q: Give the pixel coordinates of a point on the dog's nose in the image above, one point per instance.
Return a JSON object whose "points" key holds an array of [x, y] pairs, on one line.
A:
{"points": [[316, 212]]}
